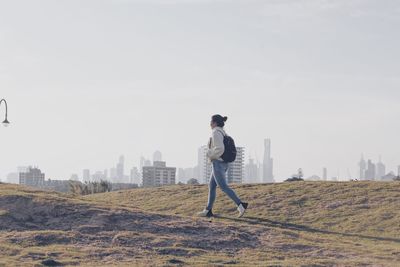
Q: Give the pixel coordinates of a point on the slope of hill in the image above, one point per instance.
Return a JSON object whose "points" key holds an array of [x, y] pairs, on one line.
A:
{"points": [[294, 224], [369, 208]]}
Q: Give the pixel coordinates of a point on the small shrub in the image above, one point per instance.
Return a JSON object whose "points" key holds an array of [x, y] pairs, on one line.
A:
{"points": [[294, 179], [88, 188], [193, 181]]}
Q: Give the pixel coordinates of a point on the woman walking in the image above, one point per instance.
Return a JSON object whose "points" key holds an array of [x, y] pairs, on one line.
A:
{"points": [[216, 149]]}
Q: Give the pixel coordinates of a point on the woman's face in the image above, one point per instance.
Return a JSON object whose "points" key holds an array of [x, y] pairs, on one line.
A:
{"points": [[213, 124]]}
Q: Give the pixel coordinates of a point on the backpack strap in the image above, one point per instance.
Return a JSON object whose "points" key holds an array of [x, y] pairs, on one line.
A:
{"points": [[223, 134]]}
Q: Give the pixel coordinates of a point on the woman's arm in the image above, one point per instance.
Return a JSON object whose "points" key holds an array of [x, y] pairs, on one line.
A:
{"points": [[217, 146]]}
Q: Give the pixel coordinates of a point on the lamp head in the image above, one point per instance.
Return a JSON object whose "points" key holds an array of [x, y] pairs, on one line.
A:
{"points": [[6, 123]]}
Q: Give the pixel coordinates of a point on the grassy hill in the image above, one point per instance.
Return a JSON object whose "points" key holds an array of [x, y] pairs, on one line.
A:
{"points": [[288, 224]]}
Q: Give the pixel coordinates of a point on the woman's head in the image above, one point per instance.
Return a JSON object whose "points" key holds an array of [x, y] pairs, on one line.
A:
{"points": [[218, 121]]}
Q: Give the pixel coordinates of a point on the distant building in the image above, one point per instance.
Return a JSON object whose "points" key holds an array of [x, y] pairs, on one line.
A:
{"points": [[204, 164], [251, 172], [363, 167], [157, 156], [13, 178], [260, 172], [371, 171], [74, 177], [56, 185], [98, 176], [181, 175], [235, 173], [113, 174], [388, 177], [300, 173], [398, 171], [185, 174], [158, 175], [325, 174], [86, 175], [196, 173], [380, 169], [22, 169], [120, 170], [135, 176], [268, 163], [144, 162], [314, 178], [32, 177]]}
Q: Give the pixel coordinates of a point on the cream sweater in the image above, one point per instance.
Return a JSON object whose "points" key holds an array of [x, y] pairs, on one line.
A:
{"points": [[216, 144]]}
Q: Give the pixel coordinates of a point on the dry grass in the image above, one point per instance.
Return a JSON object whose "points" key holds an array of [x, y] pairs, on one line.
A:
{"points": [[290, 224], [353, 207]]}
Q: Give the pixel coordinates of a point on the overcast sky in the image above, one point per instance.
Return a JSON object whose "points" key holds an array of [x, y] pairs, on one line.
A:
{"points": [[87, 81]]}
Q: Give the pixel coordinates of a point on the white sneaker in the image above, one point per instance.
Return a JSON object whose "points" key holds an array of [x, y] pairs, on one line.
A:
{"points": [[205, 213], [242, 209]]}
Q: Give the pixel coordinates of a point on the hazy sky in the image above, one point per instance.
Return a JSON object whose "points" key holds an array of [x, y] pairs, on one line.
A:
{"points": [[87, 81]]}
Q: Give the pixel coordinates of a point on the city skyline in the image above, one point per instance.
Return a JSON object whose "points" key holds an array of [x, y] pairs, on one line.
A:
{"points": [[242, 171], [84, 84]]}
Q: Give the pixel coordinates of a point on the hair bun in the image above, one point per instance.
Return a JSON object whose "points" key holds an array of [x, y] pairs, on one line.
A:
{"points": [[225, 118]]}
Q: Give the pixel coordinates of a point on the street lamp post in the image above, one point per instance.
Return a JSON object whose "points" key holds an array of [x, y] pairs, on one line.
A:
{"points": [[5, 122]]}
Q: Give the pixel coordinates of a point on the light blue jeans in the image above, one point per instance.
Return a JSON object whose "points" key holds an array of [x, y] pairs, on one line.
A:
{"points": [[218, 177]]}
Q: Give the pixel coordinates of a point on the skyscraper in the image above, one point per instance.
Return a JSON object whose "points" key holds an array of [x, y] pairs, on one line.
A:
{"points": [[260, 172], [157, 156], [363, 167], [121, 169], [398, 171], [325, 174], [135, 176], [141, 165], [380, 169], [371, 171], [268, 176], [113, 174], [235, 174], [204, 165], [251, 172], [86, 175]]}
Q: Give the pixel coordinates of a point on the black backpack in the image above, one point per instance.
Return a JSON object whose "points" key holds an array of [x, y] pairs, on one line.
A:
{"points": [[230, 149]]}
